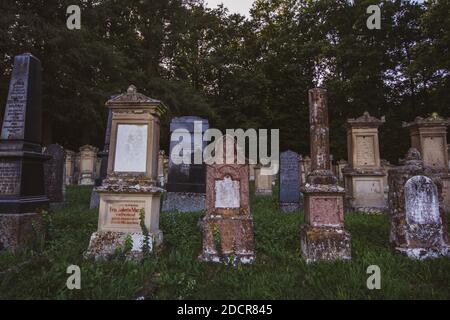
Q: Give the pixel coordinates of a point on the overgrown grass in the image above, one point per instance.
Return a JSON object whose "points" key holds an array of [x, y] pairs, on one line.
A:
{"points": [[175, 273]]}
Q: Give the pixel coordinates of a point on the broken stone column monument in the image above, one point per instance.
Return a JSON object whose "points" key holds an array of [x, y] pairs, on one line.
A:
{"points": [[323, 236]]}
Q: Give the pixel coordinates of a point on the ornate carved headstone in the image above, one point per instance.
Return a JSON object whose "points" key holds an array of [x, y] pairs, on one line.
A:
{"points": [[364, 175], [54, 173], [418, 224], [228, 223], [323, 236], [289, 181], [22, 192], [429, 137], [130, 190], [186, 182]]}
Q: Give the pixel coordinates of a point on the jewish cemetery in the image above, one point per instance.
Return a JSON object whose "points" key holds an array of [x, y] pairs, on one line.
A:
{"points": [[160, 150]]}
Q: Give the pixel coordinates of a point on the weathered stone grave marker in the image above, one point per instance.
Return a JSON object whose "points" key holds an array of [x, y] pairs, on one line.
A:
{"points": [[290, 182], [54, 174]]}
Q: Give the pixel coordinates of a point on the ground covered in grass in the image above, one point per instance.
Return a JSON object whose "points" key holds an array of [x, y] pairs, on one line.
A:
{"points": [[174, 272]]}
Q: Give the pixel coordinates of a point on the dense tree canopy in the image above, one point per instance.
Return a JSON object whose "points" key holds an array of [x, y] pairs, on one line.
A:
{"points": [[238, 72]]}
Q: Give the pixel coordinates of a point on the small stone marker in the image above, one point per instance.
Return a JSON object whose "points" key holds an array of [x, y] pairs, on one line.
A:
{"points": [[88, 159], [228, 223], [418, 229], [54, 174], [263, 182], [289, 181]]}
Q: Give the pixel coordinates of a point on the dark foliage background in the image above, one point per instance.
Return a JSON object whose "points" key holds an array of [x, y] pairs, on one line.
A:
{"points": [[238, 72]]}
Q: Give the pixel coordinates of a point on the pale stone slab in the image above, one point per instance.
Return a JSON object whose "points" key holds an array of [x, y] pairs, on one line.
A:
{"points": [[131, 148], [227, 193]]}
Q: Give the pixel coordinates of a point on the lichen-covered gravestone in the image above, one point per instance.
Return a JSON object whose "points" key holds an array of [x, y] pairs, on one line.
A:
{"points": [[417, 220], [228, 223], [289, 181]]}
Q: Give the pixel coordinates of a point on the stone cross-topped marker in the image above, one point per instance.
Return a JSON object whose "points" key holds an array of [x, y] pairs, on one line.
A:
{"points": [[323, 236], [22, 192]]}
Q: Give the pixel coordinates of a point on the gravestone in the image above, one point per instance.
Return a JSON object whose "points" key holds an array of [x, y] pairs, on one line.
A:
{"points": [[54, 174], [102, 163], [290, 182], [88, 159], [323, 236], [341, 164], [129, 196], [22, 191], [429, 137], [263, 182], [418, 225], [186, 182], [161, 164], [76, 168], [364, 175], [70, 167], [228, 223]]}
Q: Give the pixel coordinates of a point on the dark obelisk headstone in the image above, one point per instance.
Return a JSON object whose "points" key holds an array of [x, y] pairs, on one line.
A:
{"points": [[104, 154], [22, 192], [54, 174], [289, 181], [186, 189]]}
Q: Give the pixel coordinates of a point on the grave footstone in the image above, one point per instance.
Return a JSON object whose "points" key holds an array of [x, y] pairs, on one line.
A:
{"points": [[228, 223], [290, 183], [22, 190], [129, 198], [186, 182], [323, 236], [418, 225], [54, 175]]}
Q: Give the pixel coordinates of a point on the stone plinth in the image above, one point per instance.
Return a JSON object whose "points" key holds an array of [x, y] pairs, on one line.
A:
{"points": [[429, 137], [263, 182], [129, 200], [228, 223], [323, 236], [364, 175], [418, 222]]}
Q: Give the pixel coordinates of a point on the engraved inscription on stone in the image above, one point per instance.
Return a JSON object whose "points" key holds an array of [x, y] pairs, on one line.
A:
{"points": [[14, 122], [326, 211], [9, 177], [368, 192], [289, 177], [131, 148], [433, 152], [227, 193], [421, 201], [365, 155], [124, 213]]}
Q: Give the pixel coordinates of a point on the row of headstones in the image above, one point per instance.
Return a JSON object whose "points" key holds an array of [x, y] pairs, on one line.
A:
{"points": [[130, 200]]}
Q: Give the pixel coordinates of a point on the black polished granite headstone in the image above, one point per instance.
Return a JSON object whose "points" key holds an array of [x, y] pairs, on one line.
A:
{"points": [[289, 181], [21, 159], [54, 173], [189, 178]]}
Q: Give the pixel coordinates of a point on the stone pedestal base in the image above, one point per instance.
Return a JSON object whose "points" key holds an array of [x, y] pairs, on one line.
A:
{"points": [[17, 231], [325, 243], [86, 180], [105, 245], [424, 253], [289, 207], [184, 202], [365, 193], [228, 240], [366, 210], [263, 192]]}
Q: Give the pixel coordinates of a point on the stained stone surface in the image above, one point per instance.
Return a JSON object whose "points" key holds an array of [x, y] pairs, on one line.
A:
{"points": [[323, 236], [418, 223], [54, 173], [184, 202], [290, 175], [228, 226]]}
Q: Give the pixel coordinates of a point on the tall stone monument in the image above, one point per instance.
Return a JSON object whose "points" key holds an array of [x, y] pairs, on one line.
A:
{"points": [[186, 182], [228, 223], [88, 159], [22, 191], [323, 236], [364, 175], [129, 196], [429, 137], [54, 174], [418, 223], [290, 183]]}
